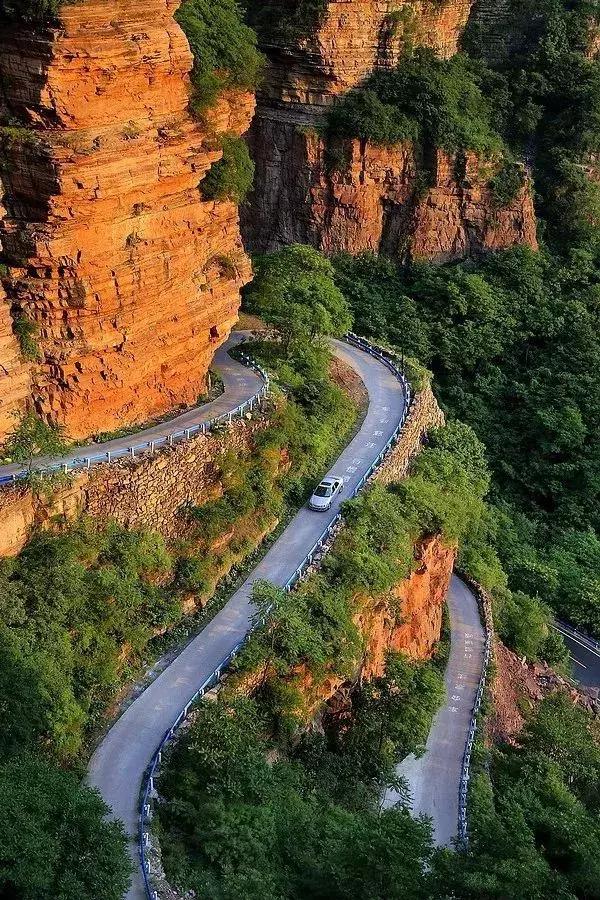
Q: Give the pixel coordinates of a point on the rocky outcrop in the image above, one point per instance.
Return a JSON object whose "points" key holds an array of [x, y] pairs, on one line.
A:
{"points": [[409, 620], [420, 599], [352, 38], [353, 195], [378, 199], [517, 688], [495, 28], [130, 277]]}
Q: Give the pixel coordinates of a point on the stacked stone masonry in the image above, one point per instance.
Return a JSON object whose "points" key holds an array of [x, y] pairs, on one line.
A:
{"points": [[130, 277], [150, 491], [153, 490]]}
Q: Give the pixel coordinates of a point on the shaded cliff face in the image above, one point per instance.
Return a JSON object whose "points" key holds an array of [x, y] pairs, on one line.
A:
{"points": [[354, 37], [132, 279], [373, 198]]}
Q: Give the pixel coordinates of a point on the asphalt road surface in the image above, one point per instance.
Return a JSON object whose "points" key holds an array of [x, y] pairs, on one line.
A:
{"points": [[434, 778], [239, 383], [585, 658], [117, 766]]}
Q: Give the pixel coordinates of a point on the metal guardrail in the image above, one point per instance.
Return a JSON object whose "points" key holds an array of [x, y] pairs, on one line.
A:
{"points": [[169, 439], [148, 791], [465, 775], [580, 636]]}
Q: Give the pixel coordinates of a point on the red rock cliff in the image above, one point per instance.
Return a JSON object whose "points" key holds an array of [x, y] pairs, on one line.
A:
{"points": [[410, 620], [132, 279], [375, 199]]}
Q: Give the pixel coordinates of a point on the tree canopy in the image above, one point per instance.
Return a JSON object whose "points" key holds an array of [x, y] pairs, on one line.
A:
{"points": [[294, 290]]}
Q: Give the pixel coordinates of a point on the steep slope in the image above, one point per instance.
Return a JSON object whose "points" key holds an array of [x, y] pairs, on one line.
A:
{"points": [[386, 198], [131, 279]]}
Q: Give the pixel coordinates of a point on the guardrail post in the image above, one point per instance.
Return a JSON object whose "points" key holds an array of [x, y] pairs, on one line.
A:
{"points": [[214, 679]]}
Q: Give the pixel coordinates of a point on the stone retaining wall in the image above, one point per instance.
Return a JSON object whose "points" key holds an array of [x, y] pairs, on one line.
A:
{"points": [[152, 490], [149, 491], [425, 414]]}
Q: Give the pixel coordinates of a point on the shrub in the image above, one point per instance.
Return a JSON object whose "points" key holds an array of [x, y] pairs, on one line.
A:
{"points": [[70, 602], [294, 290], [32, 12], [439, 100], [361, 114], [26, 332], [230, 178], [55, 839], [287, 22], [224, 48], [34, 437], [506, 184]]}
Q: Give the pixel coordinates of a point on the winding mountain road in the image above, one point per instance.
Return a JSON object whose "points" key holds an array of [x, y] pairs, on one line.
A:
{"points": [[584, 653], [239, 384], [117, 766], [434, 778]]}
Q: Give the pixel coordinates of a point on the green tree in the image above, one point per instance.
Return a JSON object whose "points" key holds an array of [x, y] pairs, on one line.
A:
{"points": [[230, 178], [294, 290], [34, 437], [54, 839], [224, 48]]}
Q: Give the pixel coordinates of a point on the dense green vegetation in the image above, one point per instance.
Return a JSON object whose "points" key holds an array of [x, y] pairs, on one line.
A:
{"points": [[437, 101], [31, 12], [224, 48], [258, 806], [79, 609], [514, 345], [284, 22], [70, 602], [545, 98], [301, 826], [294, 291], [54, 840], [31, 438], [230, 178], [306, 822], [535, 830]]}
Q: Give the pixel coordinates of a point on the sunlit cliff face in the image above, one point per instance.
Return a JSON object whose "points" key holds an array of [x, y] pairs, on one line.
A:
{"points": [[131, 279]]}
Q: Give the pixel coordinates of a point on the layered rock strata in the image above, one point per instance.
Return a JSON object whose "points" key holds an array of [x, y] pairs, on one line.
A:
{"points": [[409, 620], [352, 38], [131, 279], [375, 199], [353, 195]]}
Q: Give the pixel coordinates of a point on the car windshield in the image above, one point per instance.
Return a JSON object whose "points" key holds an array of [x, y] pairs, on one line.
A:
{"points": [[324, 490]]}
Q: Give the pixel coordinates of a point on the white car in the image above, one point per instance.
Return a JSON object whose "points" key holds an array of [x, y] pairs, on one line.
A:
{"points": [[323, 496]]}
